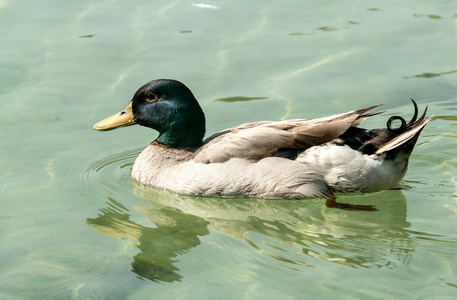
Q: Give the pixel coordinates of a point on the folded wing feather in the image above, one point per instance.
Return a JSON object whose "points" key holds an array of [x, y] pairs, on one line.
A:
{"points": [[254, 141]]}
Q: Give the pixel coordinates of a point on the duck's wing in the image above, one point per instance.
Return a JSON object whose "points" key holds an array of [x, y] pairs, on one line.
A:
{"points": [[254, 141]]}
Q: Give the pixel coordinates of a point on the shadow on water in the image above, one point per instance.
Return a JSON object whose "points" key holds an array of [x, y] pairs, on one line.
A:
{"points": [[296, 234]]}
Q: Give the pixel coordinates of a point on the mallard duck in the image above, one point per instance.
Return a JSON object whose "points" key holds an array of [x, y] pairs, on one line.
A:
{"points": [[292, 159]]}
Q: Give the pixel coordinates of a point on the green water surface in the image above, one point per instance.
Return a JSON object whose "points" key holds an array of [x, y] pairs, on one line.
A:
{"points": [[73, 225]]}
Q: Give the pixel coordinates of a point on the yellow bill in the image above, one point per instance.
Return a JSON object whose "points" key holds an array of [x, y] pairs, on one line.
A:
{"points": [[121, 119]]}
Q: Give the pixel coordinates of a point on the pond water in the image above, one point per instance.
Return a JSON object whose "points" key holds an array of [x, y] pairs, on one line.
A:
{"points": [[73, 225]]}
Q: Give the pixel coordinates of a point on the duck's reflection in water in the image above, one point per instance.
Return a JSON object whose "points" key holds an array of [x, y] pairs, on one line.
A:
{"points": [[295, 233], [175, 233]]}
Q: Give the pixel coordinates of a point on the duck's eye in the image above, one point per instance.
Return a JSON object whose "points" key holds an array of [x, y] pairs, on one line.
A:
{"points": [[153, 97]]}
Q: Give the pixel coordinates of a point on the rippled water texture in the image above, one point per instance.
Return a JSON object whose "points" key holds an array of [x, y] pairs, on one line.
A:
{"points": [[73, 225]]}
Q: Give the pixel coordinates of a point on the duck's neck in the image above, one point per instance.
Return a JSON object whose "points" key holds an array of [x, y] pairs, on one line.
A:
{"points": [[185, 134], [180, 139]]}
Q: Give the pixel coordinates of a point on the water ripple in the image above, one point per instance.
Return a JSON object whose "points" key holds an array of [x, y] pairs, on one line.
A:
{"points": [[108, 172]]}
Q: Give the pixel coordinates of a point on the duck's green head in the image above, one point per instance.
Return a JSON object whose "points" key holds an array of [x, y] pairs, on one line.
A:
{"points": [[167, 106]]}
